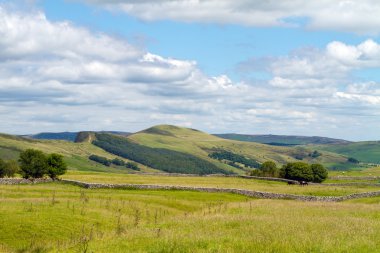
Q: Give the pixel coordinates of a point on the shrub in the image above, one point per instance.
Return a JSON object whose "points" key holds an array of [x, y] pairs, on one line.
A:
{"points": [[352, 160], [33, 163], [56, 165]]}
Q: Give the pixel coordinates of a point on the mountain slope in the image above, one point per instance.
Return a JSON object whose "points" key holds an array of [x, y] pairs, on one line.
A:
{"points": [[282, 140]]}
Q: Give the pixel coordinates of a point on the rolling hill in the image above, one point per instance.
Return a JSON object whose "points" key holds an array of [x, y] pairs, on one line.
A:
{"points": [[282, 140], [169, 149], [202, 145], [366, 151]]}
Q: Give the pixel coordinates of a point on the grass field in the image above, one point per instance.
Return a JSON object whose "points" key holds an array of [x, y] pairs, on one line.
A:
{"points": [[63, 218], [219, 182]]}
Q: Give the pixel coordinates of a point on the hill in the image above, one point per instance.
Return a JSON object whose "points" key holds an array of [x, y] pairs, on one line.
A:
{"points": [[367, 151], [244, 154], [282, 140], [76, 154], [170, 149]]}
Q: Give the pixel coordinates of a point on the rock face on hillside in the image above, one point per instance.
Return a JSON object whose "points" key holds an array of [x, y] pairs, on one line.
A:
{"points": [[85, 137]]}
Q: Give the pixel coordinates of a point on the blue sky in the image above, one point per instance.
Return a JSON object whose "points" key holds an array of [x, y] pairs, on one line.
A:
{"points": [[289, 67]]}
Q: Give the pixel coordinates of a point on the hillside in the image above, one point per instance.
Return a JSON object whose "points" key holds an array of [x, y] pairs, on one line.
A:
{"points": [[168, 148], [201, 145], [282, 140], [367, 152], [66, 136]]}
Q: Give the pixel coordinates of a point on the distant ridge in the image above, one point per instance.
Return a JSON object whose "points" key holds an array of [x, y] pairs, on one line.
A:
{"points": [[282, 140], [68, 136]]}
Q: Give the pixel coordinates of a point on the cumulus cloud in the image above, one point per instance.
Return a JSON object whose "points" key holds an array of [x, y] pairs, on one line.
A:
{"points": [[56, 76], [344, 15]]}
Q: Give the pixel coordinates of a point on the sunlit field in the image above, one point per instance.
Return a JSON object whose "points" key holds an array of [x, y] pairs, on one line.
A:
{"points": [[62, 218]]}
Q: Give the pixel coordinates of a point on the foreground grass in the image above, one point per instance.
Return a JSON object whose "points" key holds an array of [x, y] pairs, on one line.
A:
{"points": [[221, 182], [63, 218]]}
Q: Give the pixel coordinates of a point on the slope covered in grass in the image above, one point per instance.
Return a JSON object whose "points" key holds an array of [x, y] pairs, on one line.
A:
{"points": [[75, 154], [201, 144], [368, 151]]}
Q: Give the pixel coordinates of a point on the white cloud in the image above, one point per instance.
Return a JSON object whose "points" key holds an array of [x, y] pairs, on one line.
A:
{"points": [[344, 15], [56, 76]]}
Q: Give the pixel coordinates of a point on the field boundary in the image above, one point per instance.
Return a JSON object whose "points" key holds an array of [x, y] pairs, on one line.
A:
{"points": [[248, 193]]}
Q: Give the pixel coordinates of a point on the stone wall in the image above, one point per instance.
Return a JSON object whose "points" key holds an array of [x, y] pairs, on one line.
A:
{"points": [[15, 181], [249, 193]]}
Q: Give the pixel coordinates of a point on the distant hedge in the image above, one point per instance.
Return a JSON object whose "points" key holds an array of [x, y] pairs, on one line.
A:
{"points": [[158, 158]]}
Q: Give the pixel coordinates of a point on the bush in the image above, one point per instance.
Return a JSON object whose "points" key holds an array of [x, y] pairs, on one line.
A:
{"points": [[319, 173], [267, 169], [33, 163], [352, 160], [56, 165]]}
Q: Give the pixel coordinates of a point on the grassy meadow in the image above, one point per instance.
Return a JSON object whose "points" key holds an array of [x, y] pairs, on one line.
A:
{"points": [[221, 182], [62, 218]]}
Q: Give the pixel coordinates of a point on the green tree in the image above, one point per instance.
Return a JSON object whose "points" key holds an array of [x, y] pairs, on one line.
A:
{"points": [[2, 168], [320, 173], [269, 169], [33, 163], [297, 171], [11, 168], [56, 165]]}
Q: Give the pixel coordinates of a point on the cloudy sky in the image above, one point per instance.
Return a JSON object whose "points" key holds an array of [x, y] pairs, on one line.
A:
{"points": [[245, 66]]}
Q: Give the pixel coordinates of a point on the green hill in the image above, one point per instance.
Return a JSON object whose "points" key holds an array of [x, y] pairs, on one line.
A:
{"points": [[203, 145], [169, 149], [282, 140], [367, 152]]}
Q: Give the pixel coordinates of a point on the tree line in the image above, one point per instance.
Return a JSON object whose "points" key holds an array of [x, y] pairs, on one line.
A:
{"points": [[234, 159], [115, 161], [299, 171], [34, 163]]}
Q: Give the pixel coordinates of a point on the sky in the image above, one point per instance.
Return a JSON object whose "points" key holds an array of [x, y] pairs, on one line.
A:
{"points": [[245, 66]]}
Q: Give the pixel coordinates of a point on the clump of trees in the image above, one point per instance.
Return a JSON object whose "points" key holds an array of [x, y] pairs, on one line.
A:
{"points": [[299, 171], [234, 159], [267, 169], [36, 164], [115, 161], [8, 168], [304, 172]]}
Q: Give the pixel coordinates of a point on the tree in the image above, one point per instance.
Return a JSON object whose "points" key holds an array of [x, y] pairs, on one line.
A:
{"points": [[33, 163], [269, 169], [11, 168], [297, 171], [56, 165], [2, 168], [319, 173]]}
